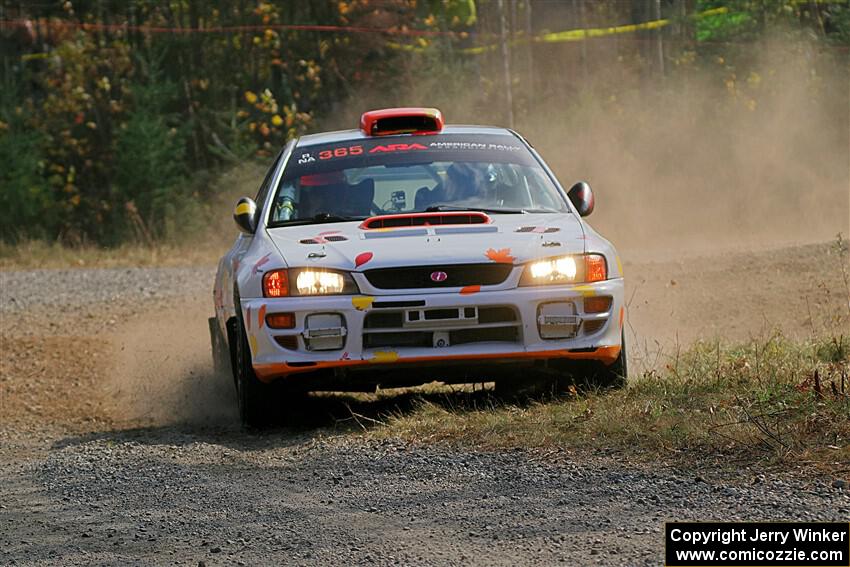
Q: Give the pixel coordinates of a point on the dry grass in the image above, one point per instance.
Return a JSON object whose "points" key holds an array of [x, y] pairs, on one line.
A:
{"points": [[770, 400], [36, 254], [204, 246]]}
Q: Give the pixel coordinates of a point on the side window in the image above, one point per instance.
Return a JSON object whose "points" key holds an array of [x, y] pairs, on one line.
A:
{"points": [[265, 188]]}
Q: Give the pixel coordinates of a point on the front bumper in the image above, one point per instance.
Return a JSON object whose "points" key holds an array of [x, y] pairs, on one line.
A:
{"points": [[492, 326]]}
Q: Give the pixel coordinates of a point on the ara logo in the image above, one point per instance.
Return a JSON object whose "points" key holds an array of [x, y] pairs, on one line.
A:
{"points": [[306, 158], [397, 148]]}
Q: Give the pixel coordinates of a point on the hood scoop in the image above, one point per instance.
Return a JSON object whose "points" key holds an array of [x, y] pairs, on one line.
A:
{"points": [[425, 219]]}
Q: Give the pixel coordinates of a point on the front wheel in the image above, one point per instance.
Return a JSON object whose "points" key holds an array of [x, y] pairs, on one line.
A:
{"points": [[254, 397], [591, 374], [530, 383], [613, 376]]}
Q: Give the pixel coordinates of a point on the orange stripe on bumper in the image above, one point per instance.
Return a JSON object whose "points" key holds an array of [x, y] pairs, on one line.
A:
{"points": [[268, 372]]}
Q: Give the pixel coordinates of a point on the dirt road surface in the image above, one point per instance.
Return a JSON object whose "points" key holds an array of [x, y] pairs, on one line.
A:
{"points": [[117, 445]]}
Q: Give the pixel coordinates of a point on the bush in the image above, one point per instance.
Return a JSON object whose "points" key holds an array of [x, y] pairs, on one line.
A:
{"points": [[25, 200], [150, 190]]}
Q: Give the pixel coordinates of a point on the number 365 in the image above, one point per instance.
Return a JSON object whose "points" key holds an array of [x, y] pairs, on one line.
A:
{"points": [[341, 152]]}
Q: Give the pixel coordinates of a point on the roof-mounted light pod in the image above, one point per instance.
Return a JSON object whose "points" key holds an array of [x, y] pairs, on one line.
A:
{"points": [[390, 121]]}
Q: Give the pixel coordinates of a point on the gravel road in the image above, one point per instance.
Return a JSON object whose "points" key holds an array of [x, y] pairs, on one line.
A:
{"points": [[71, 298], [88, 478], [173, 496], [50, 289]]}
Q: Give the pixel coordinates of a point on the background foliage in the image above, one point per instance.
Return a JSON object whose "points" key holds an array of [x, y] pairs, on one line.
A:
{"points": [[114, 113]]}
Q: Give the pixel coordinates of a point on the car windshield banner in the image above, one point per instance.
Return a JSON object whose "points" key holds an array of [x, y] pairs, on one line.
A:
{"points": [[407, 150]]}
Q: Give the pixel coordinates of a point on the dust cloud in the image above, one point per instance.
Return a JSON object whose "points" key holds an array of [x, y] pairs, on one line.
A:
{"points": [[707, 159], [162, 371], [681, 169]]}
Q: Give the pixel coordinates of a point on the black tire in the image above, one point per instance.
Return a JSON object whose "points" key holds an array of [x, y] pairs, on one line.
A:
{"points": [[529, 385], [613, 376], [254, 397], [592, 375]]}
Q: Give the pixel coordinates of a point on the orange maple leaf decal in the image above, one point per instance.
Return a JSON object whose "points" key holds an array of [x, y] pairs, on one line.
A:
{"points": [[502, 256]]}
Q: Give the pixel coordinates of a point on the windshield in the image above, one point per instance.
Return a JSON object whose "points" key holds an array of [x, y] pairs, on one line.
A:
{"points": [[362, 178]]}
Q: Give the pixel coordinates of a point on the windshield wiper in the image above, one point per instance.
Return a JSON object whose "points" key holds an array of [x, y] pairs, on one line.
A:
{"points": [[319, 218], [329, 217], [544, 211], [442, 208]]}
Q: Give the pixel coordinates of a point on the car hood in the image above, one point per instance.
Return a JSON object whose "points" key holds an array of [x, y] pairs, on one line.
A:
{"points": [[512, 238]]}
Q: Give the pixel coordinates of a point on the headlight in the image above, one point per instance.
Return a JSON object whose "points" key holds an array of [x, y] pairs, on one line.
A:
{"points": [[307, 281], [565, 269], [561, 269], [312, 282]]}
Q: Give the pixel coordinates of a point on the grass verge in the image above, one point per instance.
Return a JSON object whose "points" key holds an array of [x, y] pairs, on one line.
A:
{"points": [[38, 254], [203, 241], [774, 400]]}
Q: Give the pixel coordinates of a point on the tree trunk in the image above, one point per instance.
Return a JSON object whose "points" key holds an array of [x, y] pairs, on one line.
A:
{"points": [[506, 62]]}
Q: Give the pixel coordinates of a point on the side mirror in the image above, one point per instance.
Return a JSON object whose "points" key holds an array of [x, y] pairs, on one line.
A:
{"points": [[245, 215], [581, 197]]}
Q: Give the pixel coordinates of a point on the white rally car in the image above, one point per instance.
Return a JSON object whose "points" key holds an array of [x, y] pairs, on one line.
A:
{"points": [[407, 251]]}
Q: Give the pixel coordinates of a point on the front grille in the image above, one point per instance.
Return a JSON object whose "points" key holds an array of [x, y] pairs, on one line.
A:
{"points": [[395, 319], [457, 275], [409, 339], [493, 334], [425, 338], [388, 320], [496, 314], [388, 329]]}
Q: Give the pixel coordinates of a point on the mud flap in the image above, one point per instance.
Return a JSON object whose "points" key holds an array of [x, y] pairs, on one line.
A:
{"points": [[218, 345]]}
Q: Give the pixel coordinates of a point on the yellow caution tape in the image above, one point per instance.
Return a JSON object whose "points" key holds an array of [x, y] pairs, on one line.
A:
{"points": [[580, 34], [34, 56]]}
